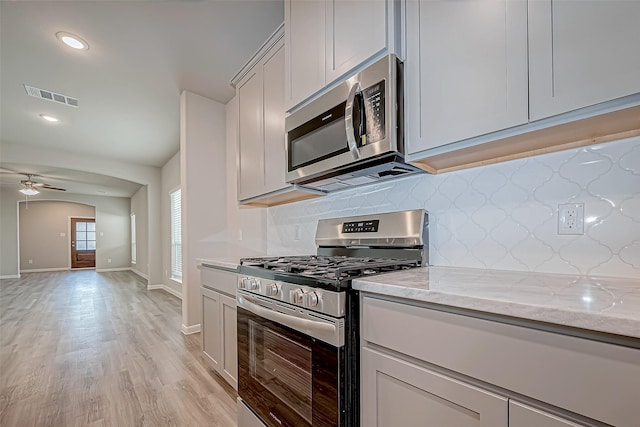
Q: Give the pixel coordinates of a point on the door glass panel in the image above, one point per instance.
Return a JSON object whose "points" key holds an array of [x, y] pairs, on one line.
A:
{"points": [[283, 367], [85, 236]]}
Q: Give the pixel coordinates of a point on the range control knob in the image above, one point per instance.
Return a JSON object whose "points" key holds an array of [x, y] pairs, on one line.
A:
{"points": [[242, 283], [297, 296], [273, 290], [313, 299], [253, 285]]}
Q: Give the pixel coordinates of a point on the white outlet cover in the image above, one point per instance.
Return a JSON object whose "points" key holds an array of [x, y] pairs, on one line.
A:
{"points": [[62, 234], [571, 218]]}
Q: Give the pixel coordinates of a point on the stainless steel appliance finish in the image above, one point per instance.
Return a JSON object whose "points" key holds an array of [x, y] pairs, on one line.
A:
{"points": [[404, 231], [298, 318], [312, 298], [325, 328], [353, 134]]}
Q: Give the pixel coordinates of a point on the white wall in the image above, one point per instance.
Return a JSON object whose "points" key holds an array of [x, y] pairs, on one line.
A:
{"points": [[112, 219], [140, 209], [503, 216], [145, 175], [246, 227], [170, 183], [45, 232], [203, 180]]}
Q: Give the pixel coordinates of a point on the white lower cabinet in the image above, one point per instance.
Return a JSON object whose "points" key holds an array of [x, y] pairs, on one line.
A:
{"points": [[521, 415], [399, 393], [424, 366], [219, 329]]}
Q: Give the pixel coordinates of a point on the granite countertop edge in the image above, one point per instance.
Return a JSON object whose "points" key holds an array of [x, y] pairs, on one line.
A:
{"points": [[230, 263], [508, 300]]}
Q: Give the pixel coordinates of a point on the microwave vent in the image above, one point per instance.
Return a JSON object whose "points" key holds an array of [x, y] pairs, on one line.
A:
{"points": [[51, 96]]}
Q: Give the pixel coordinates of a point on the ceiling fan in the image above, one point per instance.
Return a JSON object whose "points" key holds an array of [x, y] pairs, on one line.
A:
{"points": [[30, 187]]}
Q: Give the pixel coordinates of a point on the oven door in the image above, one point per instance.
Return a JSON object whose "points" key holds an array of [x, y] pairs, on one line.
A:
{"points": [[288, 377]]}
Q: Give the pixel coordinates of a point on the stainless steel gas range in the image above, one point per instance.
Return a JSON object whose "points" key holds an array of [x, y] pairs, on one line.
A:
{"points": [[298, 320]]}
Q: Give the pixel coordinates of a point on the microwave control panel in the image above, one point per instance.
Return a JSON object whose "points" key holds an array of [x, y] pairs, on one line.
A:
{"points": [[361, 226], [374, 107]]}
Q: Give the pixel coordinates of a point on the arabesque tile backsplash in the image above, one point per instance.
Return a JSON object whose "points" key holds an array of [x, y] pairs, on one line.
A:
{"points": [[503, 216]]}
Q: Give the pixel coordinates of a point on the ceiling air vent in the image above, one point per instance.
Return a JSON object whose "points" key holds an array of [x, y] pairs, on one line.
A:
{"points": [[51, 96]]}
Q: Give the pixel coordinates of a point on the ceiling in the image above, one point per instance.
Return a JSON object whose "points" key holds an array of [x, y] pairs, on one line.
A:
{"points": [[72, 181], [141, 56]]}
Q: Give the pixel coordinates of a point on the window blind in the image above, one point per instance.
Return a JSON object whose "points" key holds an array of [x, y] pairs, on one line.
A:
{"points": [[133, 238], [176, 235]]}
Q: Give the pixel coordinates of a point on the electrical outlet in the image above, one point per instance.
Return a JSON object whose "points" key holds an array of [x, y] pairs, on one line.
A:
{"points": [[240, 234], [109, 260], [62, 234], [296, 232], [30, 261], [571, 218]]}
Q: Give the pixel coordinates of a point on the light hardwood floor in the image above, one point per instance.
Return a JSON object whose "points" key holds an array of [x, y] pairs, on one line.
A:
{"points": [[83, 348]]}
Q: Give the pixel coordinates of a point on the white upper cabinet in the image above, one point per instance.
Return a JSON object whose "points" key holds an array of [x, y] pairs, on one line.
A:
{"points": [[582, 53], [355, 32], [304, 48], [326, 39], [273, 90], [251, 153], [261, 126], [466, 69]]}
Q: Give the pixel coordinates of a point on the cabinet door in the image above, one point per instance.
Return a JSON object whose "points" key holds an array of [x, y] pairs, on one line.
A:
{"points": [[274, 151], [228, 329], [521, 415], [582, 53], [398, 393], [356, 30], [466, 69], [305, 45], [211, 343], [251, 145]]}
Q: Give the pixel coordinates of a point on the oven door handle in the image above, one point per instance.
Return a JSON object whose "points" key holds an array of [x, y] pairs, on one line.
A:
{"points": [[312, 327]]}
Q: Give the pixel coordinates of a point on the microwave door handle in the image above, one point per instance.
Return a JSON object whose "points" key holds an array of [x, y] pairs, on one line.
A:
{"points": [[348, 121], [302, 325]]}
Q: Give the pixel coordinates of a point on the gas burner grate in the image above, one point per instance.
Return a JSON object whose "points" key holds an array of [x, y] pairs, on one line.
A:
{"points": [[332, 268]]}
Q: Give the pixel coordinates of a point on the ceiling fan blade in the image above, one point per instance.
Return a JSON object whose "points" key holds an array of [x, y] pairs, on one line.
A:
{"points": [[48, 187]]}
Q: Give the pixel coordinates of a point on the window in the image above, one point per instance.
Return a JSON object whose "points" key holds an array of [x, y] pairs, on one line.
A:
{"points": [[176, 235], [85, 236], [133, 239]]}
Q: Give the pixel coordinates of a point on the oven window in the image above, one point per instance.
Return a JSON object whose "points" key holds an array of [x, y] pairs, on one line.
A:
{"points": [[282, 366]]}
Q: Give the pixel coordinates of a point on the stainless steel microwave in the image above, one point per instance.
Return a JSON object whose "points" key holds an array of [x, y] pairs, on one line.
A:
{"points": [[351, 135]]}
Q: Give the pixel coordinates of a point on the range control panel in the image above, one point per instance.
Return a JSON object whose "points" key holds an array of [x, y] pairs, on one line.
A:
{"points": [[369, 226]]}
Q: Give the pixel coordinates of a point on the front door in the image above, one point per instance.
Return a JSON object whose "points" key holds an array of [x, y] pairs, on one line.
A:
{"points": [[83, 243]]}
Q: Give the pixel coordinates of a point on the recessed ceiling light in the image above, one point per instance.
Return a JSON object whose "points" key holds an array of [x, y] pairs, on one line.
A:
{"points": [[49, 118], [72, 40]]}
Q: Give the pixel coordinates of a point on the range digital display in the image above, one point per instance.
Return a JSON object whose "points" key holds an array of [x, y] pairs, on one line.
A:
{"points": [[370, 226]]}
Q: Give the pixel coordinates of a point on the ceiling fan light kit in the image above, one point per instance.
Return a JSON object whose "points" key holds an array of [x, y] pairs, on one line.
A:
{"points": [[29, 191]]}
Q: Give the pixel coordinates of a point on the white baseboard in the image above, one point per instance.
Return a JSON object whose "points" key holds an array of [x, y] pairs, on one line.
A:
{"points": [[10, 276], [44, 270], [141, 274], [166, 289], [108, 270], [188, 330]]}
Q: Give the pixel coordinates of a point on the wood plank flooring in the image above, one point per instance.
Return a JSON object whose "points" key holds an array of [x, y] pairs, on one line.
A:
{"points": [[82, 348]]}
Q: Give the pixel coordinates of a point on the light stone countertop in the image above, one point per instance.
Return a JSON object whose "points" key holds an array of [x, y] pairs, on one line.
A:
{"points": [[604, 304], [228, 263]]}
